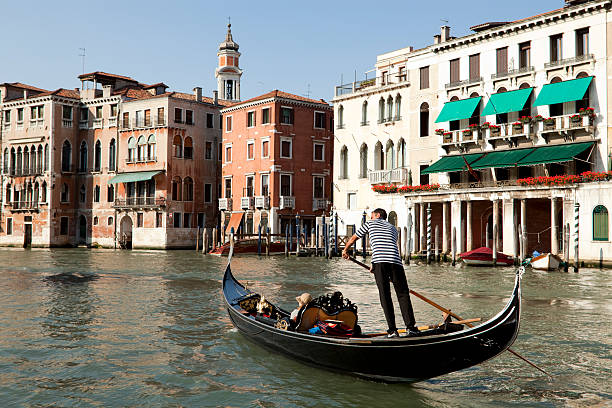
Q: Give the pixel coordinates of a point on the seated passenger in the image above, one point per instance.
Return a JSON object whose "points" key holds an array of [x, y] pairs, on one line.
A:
{"points": [[302, 300]]}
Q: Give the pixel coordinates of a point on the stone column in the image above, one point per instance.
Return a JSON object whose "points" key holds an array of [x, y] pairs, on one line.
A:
{"points": [[456, 221], [554, 227], [422, 222], [445, 232], [509, 229], [468, 227], [496, 222]]}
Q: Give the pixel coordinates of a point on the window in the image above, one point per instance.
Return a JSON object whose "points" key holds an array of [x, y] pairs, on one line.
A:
{"points": [[390, 155], [474, 67], [424, 120], [351, 201], [139, 220], [9, 226], [265, 148], [201, 220], [501, 117], [401, 153], [63, 225], [207, 193], [64, 194], [265, 116], [285, 182], [249, 189], [319, 152], [228, 187], [208, 150], [126, 119], [381, 110], [250, 150], [401, 74], [398, 107], [176, 189], [364, 113], [556, 42], [177, 143], [84, 116], [98, 112], [110, 193], [363, 161], [502, 60], [83, 157], [158, 220], [319, 120], [475, 118], [424, 77], [188, 189], [20, 115], [228, 153], [209, 120], [82, 193], [7, 116], [343, 162], [96, 196], [187, 220], [600, 223], [317, 187], [285, 152], [389, 109], [151, 148], [384, 77], [178, 115], [251, 119], [147, 118], [582, 42], [424, 178], [66, 156], [455, 73], [161, 116], [189, 117], [110, 221], [265, 184], [97, 156], [555, 109], [525, 54], [66, 113], [228, 124], [286, 116], [188, 148], [114, 110], [177, 219]]}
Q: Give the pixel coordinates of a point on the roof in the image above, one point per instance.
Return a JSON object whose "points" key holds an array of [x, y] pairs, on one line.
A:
{"points": [[24, 86], [155, 85], [66, 93], [280, 94], [106, 75], [229, 43], [487, 25]]}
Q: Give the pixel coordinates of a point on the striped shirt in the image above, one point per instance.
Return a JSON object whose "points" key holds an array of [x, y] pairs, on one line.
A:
{"points": [[383, 239]]}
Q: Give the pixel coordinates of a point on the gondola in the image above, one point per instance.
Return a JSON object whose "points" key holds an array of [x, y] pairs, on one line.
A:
{"points": [[433, 353]]}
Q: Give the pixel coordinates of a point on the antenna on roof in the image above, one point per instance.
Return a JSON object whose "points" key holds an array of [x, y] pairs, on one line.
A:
{"points": [[445, 21], [308, 91], [82, 55]]}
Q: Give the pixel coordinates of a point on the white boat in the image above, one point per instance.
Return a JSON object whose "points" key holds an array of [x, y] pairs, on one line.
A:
{"points": [[546, 262]]}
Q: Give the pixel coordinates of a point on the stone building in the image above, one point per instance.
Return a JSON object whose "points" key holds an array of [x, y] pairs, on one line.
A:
{"points": [[477, 114]]}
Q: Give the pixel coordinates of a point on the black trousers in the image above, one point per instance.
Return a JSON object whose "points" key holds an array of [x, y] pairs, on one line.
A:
{"points": [[389, 272]]}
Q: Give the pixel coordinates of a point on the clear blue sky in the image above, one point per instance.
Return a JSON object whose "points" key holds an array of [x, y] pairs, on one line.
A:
{"points": [[285, 45]]}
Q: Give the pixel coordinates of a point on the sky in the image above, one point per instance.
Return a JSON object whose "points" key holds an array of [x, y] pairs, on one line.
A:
{"points": [[301, 47]]}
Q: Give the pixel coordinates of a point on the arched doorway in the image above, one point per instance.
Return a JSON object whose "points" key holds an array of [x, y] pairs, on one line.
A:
{"points": [[82, 237], [125, 233]]}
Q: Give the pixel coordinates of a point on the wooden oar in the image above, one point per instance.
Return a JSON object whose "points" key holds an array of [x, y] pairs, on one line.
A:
{"points": [[437, 306]]}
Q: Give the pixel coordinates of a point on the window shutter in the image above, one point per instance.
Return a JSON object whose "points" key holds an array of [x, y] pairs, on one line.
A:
{"points": [[474, 67], [454, 70], [502, 60]]}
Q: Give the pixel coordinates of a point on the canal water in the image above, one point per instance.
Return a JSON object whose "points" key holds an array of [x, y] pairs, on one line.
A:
{"points": [[151, 331]]}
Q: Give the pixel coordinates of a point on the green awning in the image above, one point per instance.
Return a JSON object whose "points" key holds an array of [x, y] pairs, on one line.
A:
{"points": [[457, 110], [135, 176], [452, 163], [554, 154], [505, 102], [507, 158], [565, 91]]}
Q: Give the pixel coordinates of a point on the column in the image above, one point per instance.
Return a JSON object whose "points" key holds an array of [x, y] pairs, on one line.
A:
{"points": [[422, 222], [524, 225], [445, 233], [554, 227], [456, 224], [495, 226], [509, 229], [468, 227]]}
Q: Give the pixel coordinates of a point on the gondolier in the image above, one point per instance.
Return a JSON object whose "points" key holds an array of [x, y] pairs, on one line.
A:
{"points": [[387, 267]]}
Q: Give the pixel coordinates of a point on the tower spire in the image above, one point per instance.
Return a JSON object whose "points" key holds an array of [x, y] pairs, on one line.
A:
{"points": [[228, 72]]}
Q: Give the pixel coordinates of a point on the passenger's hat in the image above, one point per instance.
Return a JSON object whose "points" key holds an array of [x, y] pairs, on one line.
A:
{"points": [[304, 299]]}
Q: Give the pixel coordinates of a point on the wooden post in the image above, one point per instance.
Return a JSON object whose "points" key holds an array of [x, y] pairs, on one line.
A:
{"points": [[197, 246], [576, 236], [494, 245], [232, 238], [316, 239], [268, 241], [520, 244], [214, 237], [566, 248], [437, 245], [517, 241], [363, 240], [487, 235], [409, 243], [428, 233], [454, 245], [205, 240], [259, 240]]}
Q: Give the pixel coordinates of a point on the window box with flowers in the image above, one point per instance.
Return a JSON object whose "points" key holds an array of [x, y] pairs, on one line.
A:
{"points": [[440, 131], [495, 130], [539, 118], [587, 111], [549, 123], [447, 137], [575, 120], [485, 125], [525, 119], [517, 127]]}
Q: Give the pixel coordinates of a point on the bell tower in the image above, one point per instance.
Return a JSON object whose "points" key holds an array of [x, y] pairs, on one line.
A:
{"points": [[227, 73]]}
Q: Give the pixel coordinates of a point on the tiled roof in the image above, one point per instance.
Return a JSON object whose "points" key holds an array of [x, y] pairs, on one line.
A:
{"points": [[191, 97], [24, 86], [155, 85], [66, 93], [106, 74], [538, 15], [280, 94]]}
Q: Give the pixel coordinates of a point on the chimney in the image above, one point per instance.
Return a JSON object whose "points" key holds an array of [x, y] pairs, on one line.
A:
{"points": [[106, 91], [215, 97], [444, 33], [197, 91], [25, 94], [437, 39]]}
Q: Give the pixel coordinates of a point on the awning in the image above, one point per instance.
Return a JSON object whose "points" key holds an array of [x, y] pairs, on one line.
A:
{"points": [[457, 110], [135, 176], [505, 102], [452, 163], [565, 91], [554, 154], [507, 158], [234, 222]]}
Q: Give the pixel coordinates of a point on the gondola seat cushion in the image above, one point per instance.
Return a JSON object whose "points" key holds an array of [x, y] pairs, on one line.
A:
{"points": [[310, 315]]}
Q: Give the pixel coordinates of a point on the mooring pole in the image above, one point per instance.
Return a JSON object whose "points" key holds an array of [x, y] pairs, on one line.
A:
{"points": [[232, 238], [259, 240], [268, 241], [363, 240], [287, 240], [335, 234], [494, 245], [316, 240], [454, 245], [409, 243], [577, 235], [437, 245], [428, 233]]}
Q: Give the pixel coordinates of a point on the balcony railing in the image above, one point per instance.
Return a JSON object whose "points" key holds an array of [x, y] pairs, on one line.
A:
{"points": [[37, 122], [132, 160], [225, 204], [370, 83], [319, 204], [143, 123], [513, 72], [67, 123], [6, 125], [140, 202], [83, 124], [287, 202], [32, 171], [97, 123], [111, 122], [388, 176], [262, 202], [23, 205], [566, 122], [247, 203], [570, 61]]}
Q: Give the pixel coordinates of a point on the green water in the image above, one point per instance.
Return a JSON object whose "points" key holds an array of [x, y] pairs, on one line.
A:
{"points": [[151, 331]]}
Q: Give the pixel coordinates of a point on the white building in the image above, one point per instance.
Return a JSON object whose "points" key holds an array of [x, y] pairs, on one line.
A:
{"points": [[553, 65]]}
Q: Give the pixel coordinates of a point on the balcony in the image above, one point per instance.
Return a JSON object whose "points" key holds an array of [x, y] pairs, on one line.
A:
{"points": [[225, 204], [514, 72], [467, 82], [139, 202], [6, 125], [134, 160], [37, 122], [84, 124], [67, 123], [579, 59], [262, 202], [97, 123], [144, 123], [319, 204], [388, 176], [382, 82], [247, 203], [567, 125], [23, 206], [287, 202], [112, 122]]}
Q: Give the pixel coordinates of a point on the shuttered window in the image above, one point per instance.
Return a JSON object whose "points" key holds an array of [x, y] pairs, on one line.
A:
{"points": [[424, 77], [502, 60], [454, 70], [600, 223], [474, 67]]}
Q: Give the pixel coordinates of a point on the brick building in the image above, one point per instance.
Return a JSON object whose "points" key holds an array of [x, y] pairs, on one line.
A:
{"points": [[277, 153]]}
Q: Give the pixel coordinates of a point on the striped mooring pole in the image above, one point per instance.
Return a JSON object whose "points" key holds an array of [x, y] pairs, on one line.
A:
{"points": [[577, 235], [428, 232]]}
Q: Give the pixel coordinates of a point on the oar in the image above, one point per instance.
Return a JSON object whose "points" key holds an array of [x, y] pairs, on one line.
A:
{"points": [[437, 306]]}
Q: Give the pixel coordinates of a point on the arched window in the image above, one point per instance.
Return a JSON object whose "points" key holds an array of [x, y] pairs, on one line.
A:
{"points": [[13, 161], [151, 191], [178, 146], [142, 148], [389, 108], [96, 195], [398, 107], [28, 197], [188, 148], [151, 151], [187, 189], [389, 155], [97, 156], [82, 193], [379, 157], [112, 152], [401, 153], [33, 159], [555, 109], [344, 162], [424, 120], [8, 193], [5, 161], [43, 195], [454, 124], [600, 223], [64, 195], [585, 101], [131, 149], [176, 189], [381, 110], [39, 161], [19, 162], [83, 157], [36, 194], [26, 160], [46, 161], [364, 113], [110, 193], [363, 161]]}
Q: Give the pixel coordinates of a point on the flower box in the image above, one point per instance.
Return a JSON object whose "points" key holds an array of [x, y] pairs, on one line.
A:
{"points": [[447, 137], [485, 125], [517, 127], [525, 119], [440, 131], [587, 111], [539, 118], [495, 130]]}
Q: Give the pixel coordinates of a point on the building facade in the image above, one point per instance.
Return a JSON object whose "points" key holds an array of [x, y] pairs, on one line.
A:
{"points": [[511, 111], [277, 152]]}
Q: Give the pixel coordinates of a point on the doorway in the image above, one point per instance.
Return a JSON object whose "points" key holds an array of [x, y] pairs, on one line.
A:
{"points": [[27, 237], [125, 233], [82, 238]]}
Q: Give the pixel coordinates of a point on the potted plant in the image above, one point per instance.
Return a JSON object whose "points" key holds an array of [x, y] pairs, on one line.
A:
{"points": [[495, 130], [467, 134], [587, 111], [440, 131], [447, 137], [549, 123], [525, 119], [539, 118], [517, 126], [576, 119], [485, 125]]}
